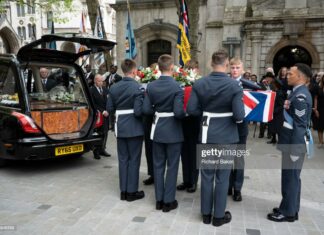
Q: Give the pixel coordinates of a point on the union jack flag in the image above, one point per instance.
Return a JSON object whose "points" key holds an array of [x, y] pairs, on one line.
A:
{"points": [[259, 105]]}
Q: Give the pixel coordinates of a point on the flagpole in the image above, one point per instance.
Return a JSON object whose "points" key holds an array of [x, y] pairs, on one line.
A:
{"points": [[128, 6]]}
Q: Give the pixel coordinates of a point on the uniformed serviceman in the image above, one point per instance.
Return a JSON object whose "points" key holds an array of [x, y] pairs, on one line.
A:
{"points": [[237, 174], [126, 100], [190, 126], [164, 99], [218, 99], [297, 113]]}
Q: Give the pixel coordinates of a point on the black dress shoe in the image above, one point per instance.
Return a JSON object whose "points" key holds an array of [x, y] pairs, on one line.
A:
{"points": [[220, 221], [192, 189], [149, 181], [276, 210], [96, 156], [105, 153], [159, 205], [170, 206], [206, 219], [123, 196], [237, 196], [271, 142], [134, 196], [261, 136], [279, 217], [182, 186]]}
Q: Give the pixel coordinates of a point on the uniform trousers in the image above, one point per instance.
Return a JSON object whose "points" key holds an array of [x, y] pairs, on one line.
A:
{"points": [[290, 184], [214, 187], [166, 155], [237, 173], [190, 173], [129, 159], [147, 123]]}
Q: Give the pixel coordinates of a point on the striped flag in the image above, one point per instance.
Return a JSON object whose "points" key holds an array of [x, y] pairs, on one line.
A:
{"points": [[130, 44], [183, 34], [259, 105], [83, 28]]}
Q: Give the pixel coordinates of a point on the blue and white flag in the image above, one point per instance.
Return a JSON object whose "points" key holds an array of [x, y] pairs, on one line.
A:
{"points": [[52, 45], [259, 105], [130, 43]]}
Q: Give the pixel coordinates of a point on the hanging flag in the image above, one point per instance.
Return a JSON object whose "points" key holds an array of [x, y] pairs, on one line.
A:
{"points": [[183, 34], [130, 43], [52, 44], [83, 28], [259, 105], [99, 58]]}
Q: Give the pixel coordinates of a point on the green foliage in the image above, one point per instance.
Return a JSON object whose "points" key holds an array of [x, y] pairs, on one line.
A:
{"points": [[56, 6]]}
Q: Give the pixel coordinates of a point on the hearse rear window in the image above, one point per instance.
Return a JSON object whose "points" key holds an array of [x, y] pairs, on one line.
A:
{"points": [[51, 88], [8, 87]]}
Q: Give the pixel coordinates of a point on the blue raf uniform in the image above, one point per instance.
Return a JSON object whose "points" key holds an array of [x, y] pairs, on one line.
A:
{"points": [[164, 100], [237, 174], [292, 144], [126, 100], [218, 99]]}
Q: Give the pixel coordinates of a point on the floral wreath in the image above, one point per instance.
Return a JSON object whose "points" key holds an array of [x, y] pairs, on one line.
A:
{"points": [[186, 77]]}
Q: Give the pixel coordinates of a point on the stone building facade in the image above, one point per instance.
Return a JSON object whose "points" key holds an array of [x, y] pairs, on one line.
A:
{"points": [[21, 24], [264, 33]]}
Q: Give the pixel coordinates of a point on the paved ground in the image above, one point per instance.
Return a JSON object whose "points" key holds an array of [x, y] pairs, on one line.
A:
{"points": [[81, 196]]}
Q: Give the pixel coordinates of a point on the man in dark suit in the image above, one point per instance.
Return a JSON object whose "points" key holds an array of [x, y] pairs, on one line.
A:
{"points": [[48, 83], [112, 78], [291, 143], [126, 99], [218, 99], [164, 99], [89, 75], [237, 174], [99, 97]]}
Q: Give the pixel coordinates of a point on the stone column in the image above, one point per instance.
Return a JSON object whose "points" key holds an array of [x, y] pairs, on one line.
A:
{"points": [[256, 40]]}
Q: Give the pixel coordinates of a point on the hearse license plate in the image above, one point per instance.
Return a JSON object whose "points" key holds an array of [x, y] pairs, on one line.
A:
{"points": [[78, 148]]}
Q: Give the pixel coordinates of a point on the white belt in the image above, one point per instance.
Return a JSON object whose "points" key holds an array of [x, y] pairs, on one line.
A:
{"points": [[156, 119], [121, 112], [287, 125], [206, 123]]}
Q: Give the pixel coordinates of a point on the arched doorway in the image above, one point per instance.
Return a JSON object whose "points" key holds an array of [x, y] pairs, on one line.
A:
{"points": [[290, 55], [156, 48], [10, 42]]}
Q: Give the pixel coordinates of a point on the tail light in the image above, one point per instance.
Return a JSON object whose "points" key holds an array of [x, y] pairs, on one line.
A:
{"points": [[99, 121], [26, 123]]}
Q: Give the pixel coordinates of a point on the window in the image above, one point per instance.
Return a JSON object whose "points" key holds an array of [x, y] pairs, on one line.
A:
{"points": [[32, 31], [56, 86], [30, 6], [49, 19], [22, 32], [8, 87], [20, 10]]}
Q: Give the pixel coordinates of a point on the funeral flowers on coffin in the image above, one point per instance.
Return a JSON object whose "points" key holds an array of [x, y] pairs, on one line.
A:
{"points": [[186, 77]]}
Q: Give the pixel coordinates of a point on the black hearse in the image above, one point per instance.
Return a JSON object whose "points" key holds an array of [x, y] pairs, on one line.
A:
{"points": [[40, 122]]}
